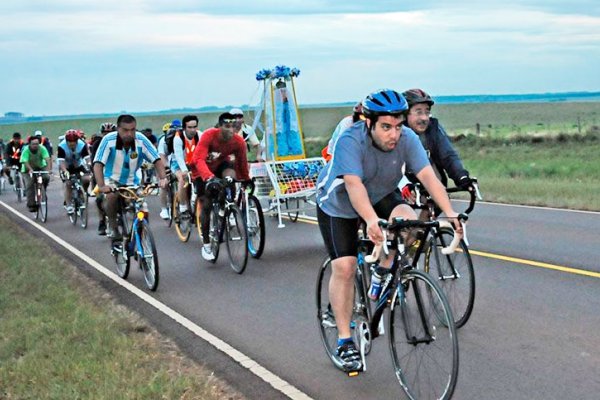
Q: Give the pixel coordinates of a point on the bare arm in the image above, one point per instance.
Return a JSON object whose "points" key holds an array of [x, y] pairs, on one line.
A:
{"points": [[362, 205]]}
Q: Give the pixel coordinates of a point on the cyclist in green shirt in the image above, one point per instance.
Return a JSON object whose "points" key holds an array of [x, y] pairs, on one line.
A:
{"points": [[34, 158]]}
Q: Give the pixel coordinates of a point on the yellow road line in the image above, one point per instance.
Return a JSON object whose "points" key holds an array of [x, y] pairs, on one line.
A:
{"points": [[536, 264]]}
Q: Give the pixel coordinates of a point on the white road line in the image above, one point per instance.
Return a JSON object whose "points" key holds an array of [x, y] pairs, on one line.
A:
{"points": [[279, 384]]}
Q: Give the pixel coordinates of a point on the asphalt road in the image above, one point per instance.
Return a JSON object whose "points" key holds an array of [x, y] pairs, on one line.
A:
{"points": [[534, 332]]}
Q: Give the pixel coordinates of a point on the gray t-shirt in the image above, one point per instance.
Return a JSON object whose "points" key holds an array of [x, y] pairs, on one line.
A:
{"points": [[380, 172]]}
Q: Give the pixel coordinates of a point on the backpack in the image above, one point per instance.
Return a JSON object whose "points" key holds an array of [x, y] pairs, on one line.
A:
{"points": [[169, 136]]}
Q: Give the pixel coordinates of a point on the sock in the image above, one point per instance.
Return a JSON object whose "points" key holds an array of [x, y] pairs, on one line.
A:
{"points": [[183, 208], [343, 341]]}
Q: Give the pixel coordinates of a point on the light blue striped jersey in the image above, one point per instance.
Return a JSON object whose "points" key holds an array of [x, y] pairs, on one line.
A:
{"points": [[73, 159], [120, 165]]}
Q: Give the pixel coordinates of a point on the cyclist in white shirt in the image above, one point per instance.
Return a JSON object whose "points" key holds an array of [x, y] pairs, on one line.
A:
{"points": [[247, 133], [119, 157]]}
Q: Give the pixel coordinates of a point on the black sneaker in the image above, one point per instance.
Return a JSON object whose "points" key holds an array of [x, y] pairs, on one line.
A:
{"points": [[350, 357], [102, 228]]}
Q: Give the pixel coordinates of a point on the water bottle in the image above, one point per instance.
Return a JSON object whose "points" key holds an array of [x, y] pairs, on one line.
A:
{"points": [[376, 281]]}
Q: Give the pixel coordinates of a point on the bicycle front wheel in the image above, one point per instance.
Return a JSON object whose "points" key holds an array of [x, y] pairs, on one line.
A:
{"points": [[169, 190], [42, 200], [214, 232], [183, 224], [237, 238], [454, 273], [148, 259], [255, 222], [120, 250], [423, 340], [83, 209], [19, 187]]}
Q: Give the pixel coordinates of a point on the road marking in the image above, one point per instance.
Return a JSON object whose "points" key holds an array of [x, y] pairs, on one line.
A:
{"points": [[279, 384], [536, 264], [593, 274]]}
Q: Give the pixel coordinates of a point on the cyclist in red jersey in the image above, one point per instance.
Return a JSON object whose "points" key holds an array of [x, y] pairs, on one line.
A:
{"points": [[219, 154]]}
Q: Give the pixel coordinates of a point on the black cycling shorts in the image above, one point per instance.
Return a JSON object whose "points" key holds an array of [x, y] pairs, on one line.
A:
{"points": [[341, 234]]}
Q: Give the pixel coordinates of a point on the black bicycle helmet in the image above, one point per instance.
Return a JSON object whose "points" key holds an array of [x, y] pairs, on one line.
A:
{"points": [[416, 96], [384, 102]]}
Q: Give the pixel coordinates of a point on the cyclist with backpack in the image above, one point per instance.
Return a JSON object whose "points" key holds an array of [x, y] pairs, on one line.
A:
{"points": [[247, 133], [181, 145]]}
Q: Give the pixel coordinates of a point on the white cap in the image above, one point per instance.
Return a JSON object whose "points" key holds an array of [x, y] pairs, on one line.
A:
{"points": [[236, 111], [37, 133]]}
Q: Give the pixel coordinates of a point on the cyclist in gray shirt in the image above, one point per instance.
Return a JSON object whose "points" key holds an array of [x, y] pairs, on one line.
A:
{"points": [[361, 181]]}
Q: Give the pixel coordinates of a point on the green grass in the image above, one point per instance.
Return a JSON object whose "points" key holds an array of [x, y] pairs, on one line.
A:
{"points": [[62, 338]]}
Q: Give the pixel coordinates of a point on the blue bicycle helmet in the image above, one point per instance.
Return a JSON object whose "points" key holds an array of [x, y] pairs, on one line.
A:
{"points": [[176, 123], [384, 102]]}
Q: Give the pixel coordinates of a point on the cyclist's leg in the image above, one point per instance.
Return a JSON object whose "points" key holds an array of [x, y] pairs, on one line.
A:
{"points": [[341, 240], [110, 205], [182, 191], [29, 191]]}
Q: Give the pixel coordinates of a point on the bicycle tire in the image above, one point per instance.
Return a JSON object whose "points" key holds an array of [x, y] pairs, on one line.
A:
{"points": [[83, 209], [122, 258], [424, 349], [293, 216], [148, 261], [75, 202], [255, 222], [459, 288], [214, 232], [182, 227], [19, 187], [236, 235], [198, 216], [42, 210], [325, 318], [169, 204]]}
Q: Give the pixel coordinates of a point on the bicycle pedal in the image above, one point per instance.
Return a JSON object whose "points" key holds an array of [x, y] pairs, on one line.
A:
{"points": [[352, 374]]}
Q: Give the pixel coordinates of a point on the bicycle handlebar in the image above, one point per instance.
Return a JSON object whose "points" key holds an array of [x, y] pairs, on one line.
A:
{"points": [[473, 190], [400, 223], [133, 192]]}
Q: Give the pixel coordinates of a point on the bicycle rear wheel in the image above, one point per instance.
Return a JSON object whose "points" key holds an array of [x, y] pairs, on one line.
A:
{"points": [[236, 235], [42, 200], [183, 225], [148, 260], [255, 222], [454, 273], [326, 319], [75, 201], [423, 340], [19, 187]]}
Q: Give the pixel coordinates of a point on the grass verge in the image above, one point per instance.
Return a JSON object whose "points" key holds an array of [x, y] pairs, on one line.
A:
{"points": [[61, 337]]}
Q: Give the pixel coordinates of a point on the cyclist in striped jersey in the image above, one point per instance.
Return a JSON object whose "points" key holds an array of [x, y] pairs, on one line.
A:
{"points": [[119, 157]]}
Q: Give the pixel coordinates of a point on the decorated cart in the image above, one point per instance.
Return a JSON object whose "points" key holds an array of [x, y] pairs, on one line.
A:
{"points": [[286, 181]]}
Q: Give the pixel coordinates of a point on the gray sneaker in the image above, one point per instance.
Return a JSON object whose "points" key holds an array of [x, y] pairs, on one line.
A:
{"points": [[207, 253]]}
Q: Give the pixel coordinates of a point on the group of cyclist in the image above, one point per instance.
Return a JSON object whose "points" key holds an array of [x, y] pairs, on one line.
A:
{"points": [[390, 135]]}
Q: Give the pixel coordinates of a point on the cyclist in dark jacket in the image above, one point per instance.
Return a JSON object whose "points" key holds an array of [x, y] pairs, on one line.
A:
{"points": [[442, 155]]}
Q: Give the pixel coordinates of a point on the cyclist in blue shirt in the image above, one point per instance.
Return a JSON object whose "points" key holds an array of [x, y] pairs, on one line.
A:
{"points": [[361, 181], [73, 158], [119, 157]]}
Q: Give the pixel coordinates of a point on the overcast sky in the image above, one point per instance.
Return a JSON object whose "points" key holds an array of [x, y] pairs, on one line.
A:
{"points": [[81, 56]]}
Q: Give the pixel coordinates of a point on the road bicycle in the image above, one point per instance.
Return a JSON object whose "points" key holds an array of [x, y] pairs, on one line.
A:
{"points": [[454, 272], [185, 222], [422, 334], [252, 211], [137, 240], [19, 186], [79, 199], [40, 195], [227, 224]]}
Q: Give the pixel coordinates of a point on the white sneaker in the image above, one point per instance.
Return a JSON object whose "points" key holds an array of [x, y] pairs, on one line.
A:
{"points": [[70, 209], [164, 213], [207, 253]]}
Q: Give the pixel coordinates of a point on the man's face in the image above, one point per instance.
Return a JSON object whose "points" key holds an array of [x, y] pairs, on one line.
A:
{"points": [[127, 132], [34, 145], [239, 121], [386, 133], [72, 145], [227, 129], [418, 117], [191, 128]]}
